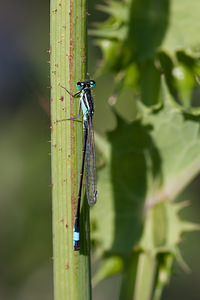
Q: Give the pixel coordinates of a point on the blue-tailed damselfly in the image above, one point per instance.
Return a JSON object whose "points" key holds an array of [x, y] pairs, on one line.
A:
{"points": [[88, 155]]}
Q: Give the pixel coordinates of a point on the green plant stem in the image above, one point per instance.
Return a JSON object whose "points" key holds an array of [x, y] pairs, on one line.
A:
{"points": [[68, 65], [138, 277]]}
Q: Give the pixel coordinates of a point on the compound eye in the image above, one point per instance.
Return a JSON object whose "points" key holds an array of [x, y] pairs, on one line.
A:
{"points": [[92, 83], [79, 85]]}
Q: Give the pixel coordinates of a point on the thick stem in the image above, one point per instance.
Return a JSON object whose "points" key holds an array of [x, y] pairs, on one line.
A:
{"points": [[138, 277], [68, 65]]}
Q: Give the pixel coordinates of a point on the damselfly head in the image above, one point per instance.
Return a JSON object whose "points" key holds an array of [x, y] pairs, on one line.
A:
{"points": [[87, 84], [80, 85]]}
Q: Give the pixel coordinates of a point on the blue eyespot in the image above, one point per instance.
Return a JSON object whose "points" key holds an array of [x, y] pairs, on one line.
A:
{"points": [[92, 83], [79, 85]]}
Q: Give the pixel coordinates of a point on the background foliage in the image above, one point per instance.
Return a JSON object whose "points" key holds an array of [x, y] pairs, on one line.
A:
{"points": [[158, 151], [143, 47]]}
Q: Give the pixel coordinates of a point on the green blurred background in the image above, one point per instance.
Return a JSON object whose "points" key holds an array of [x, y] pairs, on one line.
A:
{"points": [[25, 179]]}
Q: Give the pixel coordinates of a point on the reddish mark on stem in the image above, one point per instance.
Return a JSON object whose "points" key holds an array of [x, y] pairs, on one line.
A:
{"points": [[66, 265], [61, 98], [66, 225]]}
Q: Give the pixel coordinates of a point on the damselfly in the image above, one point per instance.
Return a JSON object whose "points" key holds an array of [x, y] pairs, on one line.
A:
{"points": [[88, 156]]}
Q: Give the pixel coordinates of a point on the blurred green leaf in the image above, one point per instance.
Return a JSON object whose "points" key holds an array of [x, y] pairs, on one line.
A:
{"points": [[185, 82], [139, 32], [146, 161], [109, 266], [153, 25], [183, 27], [146, 164], [148, 25]]}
